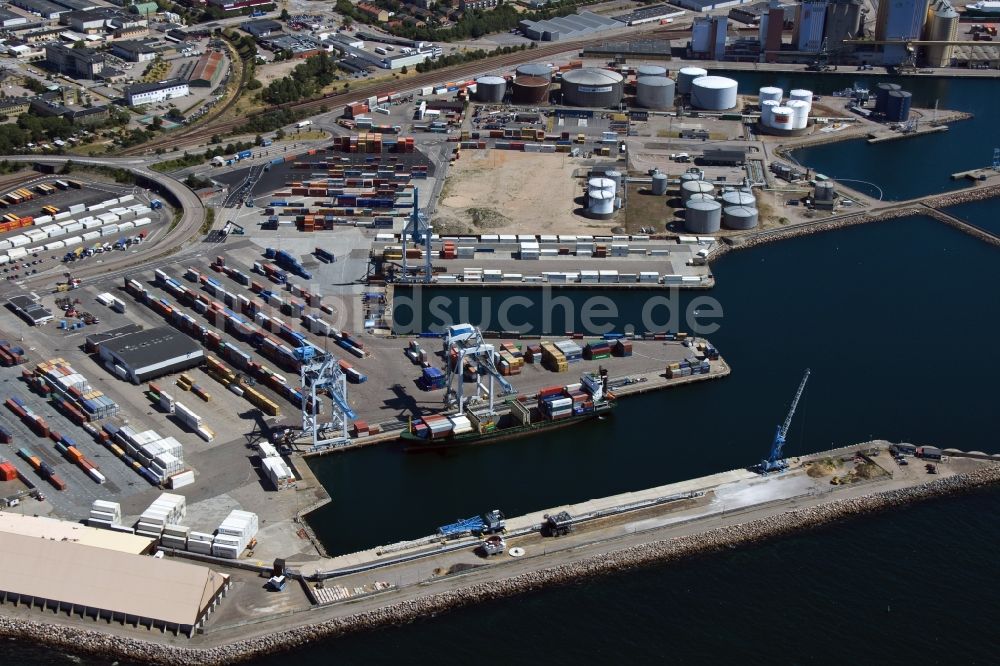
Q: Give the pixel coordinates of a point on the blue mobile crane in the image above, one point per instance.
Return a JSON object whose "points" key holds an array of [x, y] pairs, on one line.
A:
{"points": [[774, 462]]}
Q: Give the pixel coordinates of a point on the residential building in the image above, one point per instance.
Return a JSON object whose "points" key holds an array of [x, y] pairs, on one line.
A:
{"points": [[374, 12], [467, 5], [154, 93]]}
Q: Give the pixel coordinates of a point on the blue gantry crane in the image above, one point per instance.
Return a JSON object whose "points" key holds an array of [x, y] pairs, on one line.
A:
{"points": [[774, 462]]}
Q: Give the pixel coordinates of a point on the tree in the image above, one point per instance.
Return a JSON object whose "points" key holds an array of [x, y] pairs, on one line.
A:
{"points": [[280, 134], [157, 122], [79, 44], [284, 15], [405, 70], [258, 140]]}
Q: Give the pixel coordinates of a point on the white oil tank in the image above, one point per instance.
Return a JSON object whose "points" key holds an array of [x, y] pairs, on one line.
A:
{"points": [[703, 217], [601, 203], [713, 93], [800, 113], [692, 187], [737, 198], [770, 93], [766, 110], [650, 70], [739, 217], [659, 184], [654, 92], [802, 95], [781, 118], [685, 75], [601, 184]]}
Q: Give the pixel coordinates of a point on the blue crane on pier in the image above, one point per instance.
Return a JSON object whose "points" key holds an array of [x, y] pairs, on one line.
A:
{"points": [[774, 462]]}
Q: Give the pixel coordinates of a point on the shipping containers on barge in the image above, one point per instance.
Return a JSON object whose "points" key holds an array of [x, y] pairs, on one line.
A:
{"points": [[557, 407]]}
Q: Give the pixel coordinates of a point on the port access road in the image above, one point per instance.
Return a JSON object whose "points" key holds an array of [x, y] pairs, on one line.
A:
{"points": [[192, 216]]}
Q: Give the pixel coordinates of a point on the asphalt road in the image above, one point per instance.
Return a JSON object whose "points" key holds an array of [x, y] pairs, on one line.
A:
{"points": [[192, 217]]}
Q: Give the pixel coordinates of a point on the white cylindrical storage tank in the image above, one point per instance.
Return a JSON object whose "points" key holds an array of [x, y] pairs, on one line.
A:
{"points": [[592, 87], [739, 217], [691, 187], [781, 117], [601, 203], [654, 92], [686, 75], [802, 95], [800, 113], [616, 177], [650, 70], [659, 184], [737, 198], [690, 176], [699, 197], [601, 184], [491, 89], [766, 110], [713, 93], [703, 217], [770, 93]]}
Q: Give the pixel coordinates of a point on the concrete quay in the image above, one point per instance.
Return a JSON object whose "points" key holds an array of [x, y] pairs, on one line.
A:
{"points": [[735, 508]]}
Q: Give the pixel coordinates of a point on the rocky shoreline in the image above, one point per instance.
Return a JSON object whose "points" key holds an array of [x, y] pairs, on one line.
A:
{"points": [[107, 645]]}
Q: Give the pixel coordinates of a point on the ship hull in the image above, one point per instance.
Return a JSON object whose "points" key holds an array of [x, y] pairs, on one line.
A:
{"points": [[416, 443]]}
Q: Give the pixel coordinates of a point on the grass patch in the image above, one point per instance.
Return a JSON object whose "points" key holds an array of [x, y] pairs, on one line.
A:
{"points": [[823, 467], [209, 220], [487, 218]]}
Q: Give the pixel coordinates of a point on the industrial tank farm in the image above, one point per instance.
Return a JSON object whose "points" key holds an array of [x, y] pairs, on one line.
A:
{"points": [[654, 92], [491, 89], [592, 87], [713, 93]]}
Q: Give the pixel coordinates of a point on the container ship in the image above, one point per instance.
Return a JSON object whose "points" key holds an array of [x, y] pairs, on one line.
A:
{"points": [[556, 407]]}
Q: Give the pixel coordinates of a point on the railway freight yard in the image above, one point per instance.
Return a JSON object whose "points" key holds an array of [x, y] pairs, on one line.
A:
{"points": [[176, 392]]}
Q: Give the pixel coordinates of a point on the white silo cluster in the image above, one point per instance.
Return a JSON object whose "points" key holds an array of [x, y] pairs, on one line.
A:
{"points": [[792, 115], [601, 197]]}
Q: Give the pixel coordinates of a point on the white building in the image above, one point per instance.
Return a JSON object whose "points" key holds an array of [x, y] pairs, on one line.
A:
{"points": [[154, 93]]}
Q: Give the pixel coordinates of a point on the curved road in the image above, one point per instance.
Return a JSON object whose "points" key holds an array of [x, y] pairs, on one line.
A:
{"points": [[192, 217]]}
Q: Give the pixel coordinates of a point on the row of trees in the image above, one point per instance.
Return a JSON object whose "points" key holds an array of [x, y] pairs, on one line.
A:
{"points": [[467, 56], [306, 80]]}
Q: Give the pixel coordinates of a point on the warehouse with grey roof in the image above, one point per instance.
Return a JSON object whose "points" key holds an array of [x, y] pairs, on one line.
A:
{"points": [[149, 354]]}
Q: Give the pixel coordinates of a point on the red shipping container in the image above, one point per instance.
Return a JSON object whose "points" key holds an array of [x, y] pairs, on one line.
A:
{"points": [[7, 471]]}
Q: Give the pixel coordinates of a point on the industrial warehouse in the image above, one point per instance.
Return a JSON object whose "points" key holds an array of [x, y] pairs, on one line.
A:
{"points": [[104, 584], [149, 354]]}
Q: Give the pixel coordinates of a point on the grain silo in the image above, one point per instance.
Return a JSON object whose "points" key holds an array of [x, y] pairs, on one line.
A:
{"points": [[659, 184], [770, 93], [800, 113], [600, 203], [942, 26], [882, 91], [691, 187], [654, 92], [592, 87], [897, 109], [737, 198], [686, 75], [538, 69], [650, 70], [531, 89], [491, 89], [739, 217], [713, 93], [703, 217]]}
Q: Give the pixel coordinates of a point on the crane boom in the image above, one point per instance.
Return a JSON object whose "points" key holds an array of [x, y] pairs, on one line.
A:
{"points": [[774, 461]]}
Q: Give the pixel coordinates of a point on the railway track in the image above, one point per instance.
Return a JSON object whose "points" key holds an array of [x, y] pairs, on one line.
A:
{"points": [[333, 100]]}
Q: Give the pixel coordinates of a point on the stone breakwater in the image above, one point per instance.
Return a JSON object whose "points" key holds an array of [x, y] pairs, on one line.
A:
{"points": [[925, 206], [755, 531]]}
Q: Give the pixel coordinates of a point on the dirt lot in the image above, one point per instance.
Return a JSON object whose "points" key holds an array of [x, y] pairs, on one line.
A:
{"points": [[490, 191]]}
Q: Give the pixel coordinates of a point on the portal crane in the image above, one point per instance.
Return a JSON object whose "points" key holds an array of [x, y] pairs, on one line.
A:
{"points": [[774, 462], [419, 232], [321, 374], [467, 341]]}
